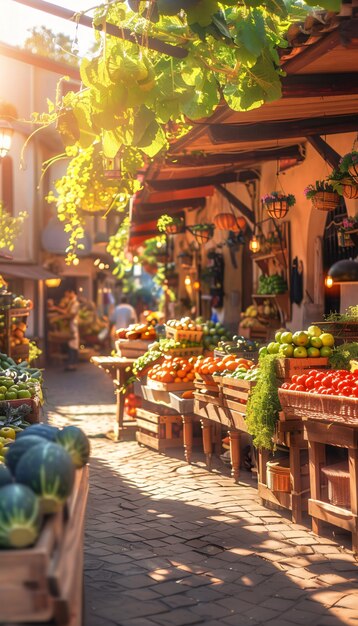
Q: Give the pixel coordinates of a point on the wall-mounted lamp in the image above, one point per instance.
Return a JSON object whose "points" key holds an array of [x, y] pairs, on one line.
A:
{"points": [[196, 285], [343, 272], [187, 281], [76, 261], [6, 132]]}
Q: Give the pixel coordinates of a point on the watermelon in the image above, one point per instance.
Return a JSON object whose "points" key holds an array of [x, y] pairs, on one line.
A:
{"points": [[40, 430], [48, 470], [20, 446], [20, 518], [5, 475], [74, 440]]}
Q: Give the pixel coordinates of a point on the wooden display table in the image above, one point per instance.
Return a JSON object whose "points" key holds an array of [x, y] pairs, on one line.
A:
{"points": [[345, 435], [120, 369], [44, 583], [289, 432], [212, 415]]}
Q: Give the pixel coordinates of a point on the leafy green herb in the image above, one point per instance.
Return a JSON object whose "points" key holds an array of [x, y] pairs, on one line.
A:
{"points": [[350, 315], [343, 355], [263, 405]]}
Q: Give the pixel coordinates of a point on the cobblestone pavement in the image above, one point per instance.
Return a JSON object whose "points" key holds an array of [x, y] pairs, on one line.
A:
{"points": [[170, 545]]}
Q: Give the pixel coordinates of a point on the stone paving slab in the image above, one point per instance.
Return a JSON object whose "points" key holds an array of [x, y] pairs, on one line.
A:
{"points": [[168, 546]]}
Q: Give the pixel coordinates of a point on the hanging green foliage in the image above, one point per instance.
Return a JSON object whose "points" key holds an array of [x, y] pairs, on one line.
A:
{"points": [[135, 100], [264, 405], [10, 228]]}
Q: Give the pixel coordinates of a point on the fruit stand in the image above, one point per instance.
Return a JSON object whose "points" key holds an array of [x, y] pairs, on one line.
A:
{"points": [[13, 327]]}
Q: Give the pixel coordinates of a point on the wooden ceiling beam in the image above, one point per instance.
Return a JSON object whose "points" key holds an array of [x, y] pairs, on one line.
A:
{"points": [[237, 203], [198, 159], [325, 150], [312, 52], [151, 210], [320, 85], [203, 181], [283, 129]]}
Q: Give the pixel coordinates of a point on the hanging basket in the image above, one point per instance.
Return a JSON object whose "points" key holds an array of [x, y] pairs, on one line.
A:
{"points": [[326, 200], [277, 209], [353, 170], [202, 236], [185, 259], [349, 190], [175, 228], [344, 238]]}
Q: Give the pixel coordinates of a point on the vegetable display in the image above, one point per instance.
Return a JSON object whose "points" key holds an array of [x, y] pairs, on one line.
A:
{"points": [[330, 382], [271, 285], [263, 404], [75, 442], [310, 343], [173, 370]]}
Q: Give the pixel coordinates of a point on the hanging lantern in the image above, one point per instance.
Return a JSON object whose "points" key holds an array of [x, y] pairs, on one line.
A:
{"points": [[6, 132], [224, 221], [202, 232], [254, 244], [112, 168]]}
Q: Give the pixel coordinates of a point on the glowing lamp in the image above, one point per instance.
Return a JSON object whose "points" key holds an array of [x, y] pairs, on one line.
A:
{"points": [[76, 261], [254, 244], [187, 281], [6, 132], [52, 283], [196, 284], [328, 281]]}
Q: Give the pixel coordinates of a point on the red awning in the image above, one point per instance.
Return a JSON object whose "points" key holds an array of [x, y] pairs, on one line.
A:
{"points": [[139, 233]]}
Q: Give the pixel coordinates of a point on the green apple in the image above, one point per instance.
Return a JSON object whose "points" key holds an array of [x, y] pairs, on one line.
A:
{"points": [[301, 338], [263, 351], [278, 336], [273, 348], [286, 337], [327, 339], [286, 349], [316, 342], [314, 331], [326, 351], [300, 352], [313, 352]]}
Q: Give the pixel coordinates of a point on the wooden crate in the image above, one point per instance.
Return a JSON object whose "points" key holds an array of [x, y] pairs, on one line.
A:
{"points": [[235, 393], [35, 405], [132, 348], [185, 335], [210, 392], [286, 368], [44, 583], [159, 431], [156, 384]]}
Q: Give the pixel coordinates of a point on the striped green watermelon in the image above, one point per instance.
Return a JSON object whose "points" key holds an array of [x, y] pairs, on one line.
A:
{"points": [[20, 518], [74, 440], [20, 446], [48, 470], [40, 430], [5, 475]]}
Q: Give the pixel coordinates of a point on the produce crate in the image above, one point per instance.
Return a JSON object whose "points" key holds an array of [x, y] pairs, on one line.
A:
{"points": [[159, 431], [180, 404], [132, 348], [286, 368], [254, 332], [235, 393], [156, 384], [342, 331], [186, 335], [208, 392], [20, 353], [338, 484], [44, 583], [252, 356], [184, 352], [35, 405], [319, 407]]}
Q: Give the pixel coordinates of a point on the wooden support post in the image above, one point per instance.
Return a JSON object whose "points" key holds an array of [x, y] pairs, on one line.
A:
{"points": [[295, 470], [207, 441], [353, 479], [235, 438], [188, 436], [317, 454]]}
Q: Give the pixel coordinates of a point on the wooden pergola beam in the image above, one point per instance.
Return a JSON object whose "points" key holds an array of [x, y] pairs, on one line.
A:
{"points": [[203, 181], [243, 158], [312, 53], [237, 203], [283, 129], [319, 85], [152, 209], [325, 150], [111, 29]]}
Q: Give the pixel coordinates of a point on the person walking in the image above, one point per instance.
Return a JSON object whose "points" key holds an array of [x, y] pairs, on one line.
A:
{"points": [[73, 344], [123, 315]]}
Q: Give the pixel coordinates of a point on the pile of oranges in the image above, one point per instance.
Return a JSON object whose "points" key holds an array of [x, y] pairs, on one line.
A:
{"points": [[173, 370], [213, 365]]}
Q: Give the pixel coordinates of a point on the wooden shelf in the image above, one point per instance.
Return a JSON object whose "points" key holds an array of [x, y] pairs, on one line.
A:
{"points": [[263, 260], [282, 300]]}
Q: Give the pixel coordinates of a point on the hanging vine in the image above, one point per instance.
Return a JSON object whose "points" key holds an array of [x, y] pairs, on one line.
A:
{"points": [[135, 100]]}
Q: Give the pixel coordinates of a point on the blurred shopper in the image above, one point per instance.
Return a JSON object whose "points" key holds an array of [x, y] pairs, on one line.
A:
{"points": [[73, 345], [124, 314]]}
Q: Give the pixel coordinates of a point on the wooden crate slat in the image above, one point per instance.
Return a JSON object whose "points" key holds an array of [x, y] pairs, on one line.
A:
{"points": [[147, 425]]}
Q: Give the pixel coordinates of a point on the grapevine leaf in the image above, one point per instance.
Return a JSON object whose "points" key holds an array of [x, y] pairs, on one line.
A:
{"points": [[111, 143]]}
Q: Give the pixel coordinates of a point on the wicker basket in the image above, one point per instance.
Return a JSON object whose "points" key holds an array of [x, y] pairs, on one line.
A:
{"points": [[278, 475], [326, 200], [338, 484], [184, 352], [353, 171], [319, 407], [186, 335], [349, 190]]}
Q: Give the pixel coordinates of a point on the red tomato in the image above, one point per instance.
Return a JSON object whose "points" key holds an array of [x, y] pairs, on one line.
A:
{"points": [[346, 391], [310, 381], [326, 381], [301, 380], [319, 375], [300, 388], [294, 378], [292, 386], [285, 386]]}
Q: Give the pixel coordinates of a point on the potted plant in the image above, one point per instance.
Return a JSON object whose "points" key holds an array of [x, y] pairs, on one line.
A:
{"points": [[323, 196], [202, 232], [343, 183], [277, 204], [347, 233], [170, 225], [349, 164]]}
